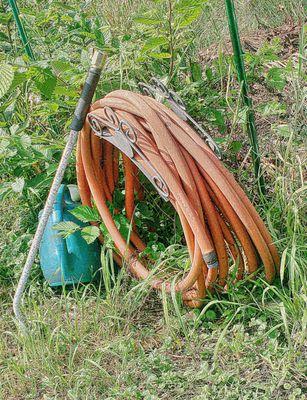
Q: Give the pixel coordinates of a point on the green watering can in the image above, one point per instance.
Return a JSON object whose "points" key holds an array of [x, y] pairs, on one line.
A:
{"points": [[67, 261]]}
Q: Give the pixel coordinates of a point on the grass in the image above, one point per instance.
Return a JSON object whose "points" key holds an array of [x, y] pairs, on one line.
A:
{"points": [[83, 351], [120, 340]]}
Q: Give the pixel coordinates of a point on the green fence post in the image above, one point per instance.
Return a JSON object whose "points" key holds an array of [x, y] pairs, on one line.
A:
{"points": [[21, 30], [25, 41], [239, 62]]}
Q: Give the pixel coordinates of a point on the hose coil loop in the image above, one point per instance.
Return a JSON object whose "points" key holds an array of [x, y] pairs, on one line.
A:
{"points": [[220, 224]]}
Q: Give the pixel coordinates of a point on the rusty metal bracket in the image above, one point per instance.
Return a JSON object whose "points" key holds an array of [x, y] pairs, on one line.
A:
{"points": [[123, 136], [160, 92]]}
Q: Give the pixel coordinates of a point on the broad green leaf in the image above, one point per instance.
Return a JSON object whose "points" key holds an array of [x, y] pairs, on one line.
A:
{"points": [[160, 55], [66, 228], [25, 140], [19, 78], [90, 233], [52, 106], [65, 91], [85, 214], [61, 66], [273, 108], [86, 34], [45, 81], [153, 43], [275, 78], [6, 78], [189, 17]]}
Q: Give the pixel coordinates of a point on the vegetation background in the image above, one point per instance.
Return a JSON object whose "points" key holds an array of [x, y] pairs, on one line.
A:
{"points": [[119, 340]]}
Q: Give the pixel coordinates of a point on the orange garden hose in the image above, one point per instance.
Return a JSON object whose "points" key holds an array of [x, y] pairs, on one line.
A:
{"points": [[218, 220]]}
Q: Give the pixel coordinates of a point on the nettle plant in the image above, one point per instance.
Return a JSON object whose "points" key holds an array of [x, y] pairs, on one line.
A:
{"points": [[167, 32], [36, 103], [35, 106], [37, 97]]}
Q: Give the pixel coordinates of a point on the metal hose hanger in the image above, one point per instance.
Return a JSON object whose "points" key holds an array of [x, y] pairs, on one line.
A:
{"points": [[218, 220]]}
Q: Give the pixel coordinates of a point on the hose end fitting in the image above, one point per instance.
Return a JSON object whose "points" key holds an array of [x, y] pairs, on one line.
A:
{"points": [[211, 259], [88, 90], [98, 59]]}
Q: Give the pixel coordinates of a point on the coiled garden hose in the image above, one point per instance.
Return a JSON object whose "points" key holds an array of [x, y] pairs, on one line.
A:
{"points": [[218, 220]]}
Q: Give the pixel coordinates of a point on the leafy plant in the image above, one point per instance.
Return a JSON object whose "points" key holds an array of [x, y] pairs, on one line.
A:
{"points": [[6, 78], [169, 38]]}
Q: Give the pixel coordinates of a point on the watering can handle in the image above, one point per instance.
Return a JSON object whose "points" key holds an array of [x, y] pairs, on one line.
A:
{"points": [[71, 195], [61, 242]]}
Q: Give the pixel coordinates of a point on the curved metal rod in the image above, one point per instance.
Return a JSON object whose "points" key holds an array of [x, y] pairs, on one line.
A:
{"points": [[123, 136], [158, 90]]}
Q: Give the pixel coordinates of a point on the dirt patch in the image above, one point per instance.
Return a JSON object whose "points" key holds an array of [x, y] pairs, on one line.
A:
{"points": [[288, 35]]}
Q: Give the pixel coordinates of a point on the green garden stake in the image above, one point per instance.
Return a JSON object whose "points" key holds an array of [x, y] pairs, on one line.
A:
{"points": [[25, 41], [21, 30], [239, 62]]}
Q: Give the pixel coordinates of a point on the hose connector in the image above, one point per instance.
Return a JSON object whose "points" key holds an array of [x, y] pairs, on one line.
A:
{"points": [[98, 59], [211, 260]]}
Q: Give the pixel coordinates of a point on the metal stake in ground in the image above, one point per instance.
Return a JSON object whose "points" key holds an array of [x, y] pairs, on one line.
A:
{"points": [[239, 62], [21, 30], [76, 125]]}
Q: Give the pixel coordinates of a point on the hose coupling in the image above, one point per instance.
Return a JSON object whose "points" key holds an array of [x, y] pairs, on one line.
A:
{"points": [[211, 260]]}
